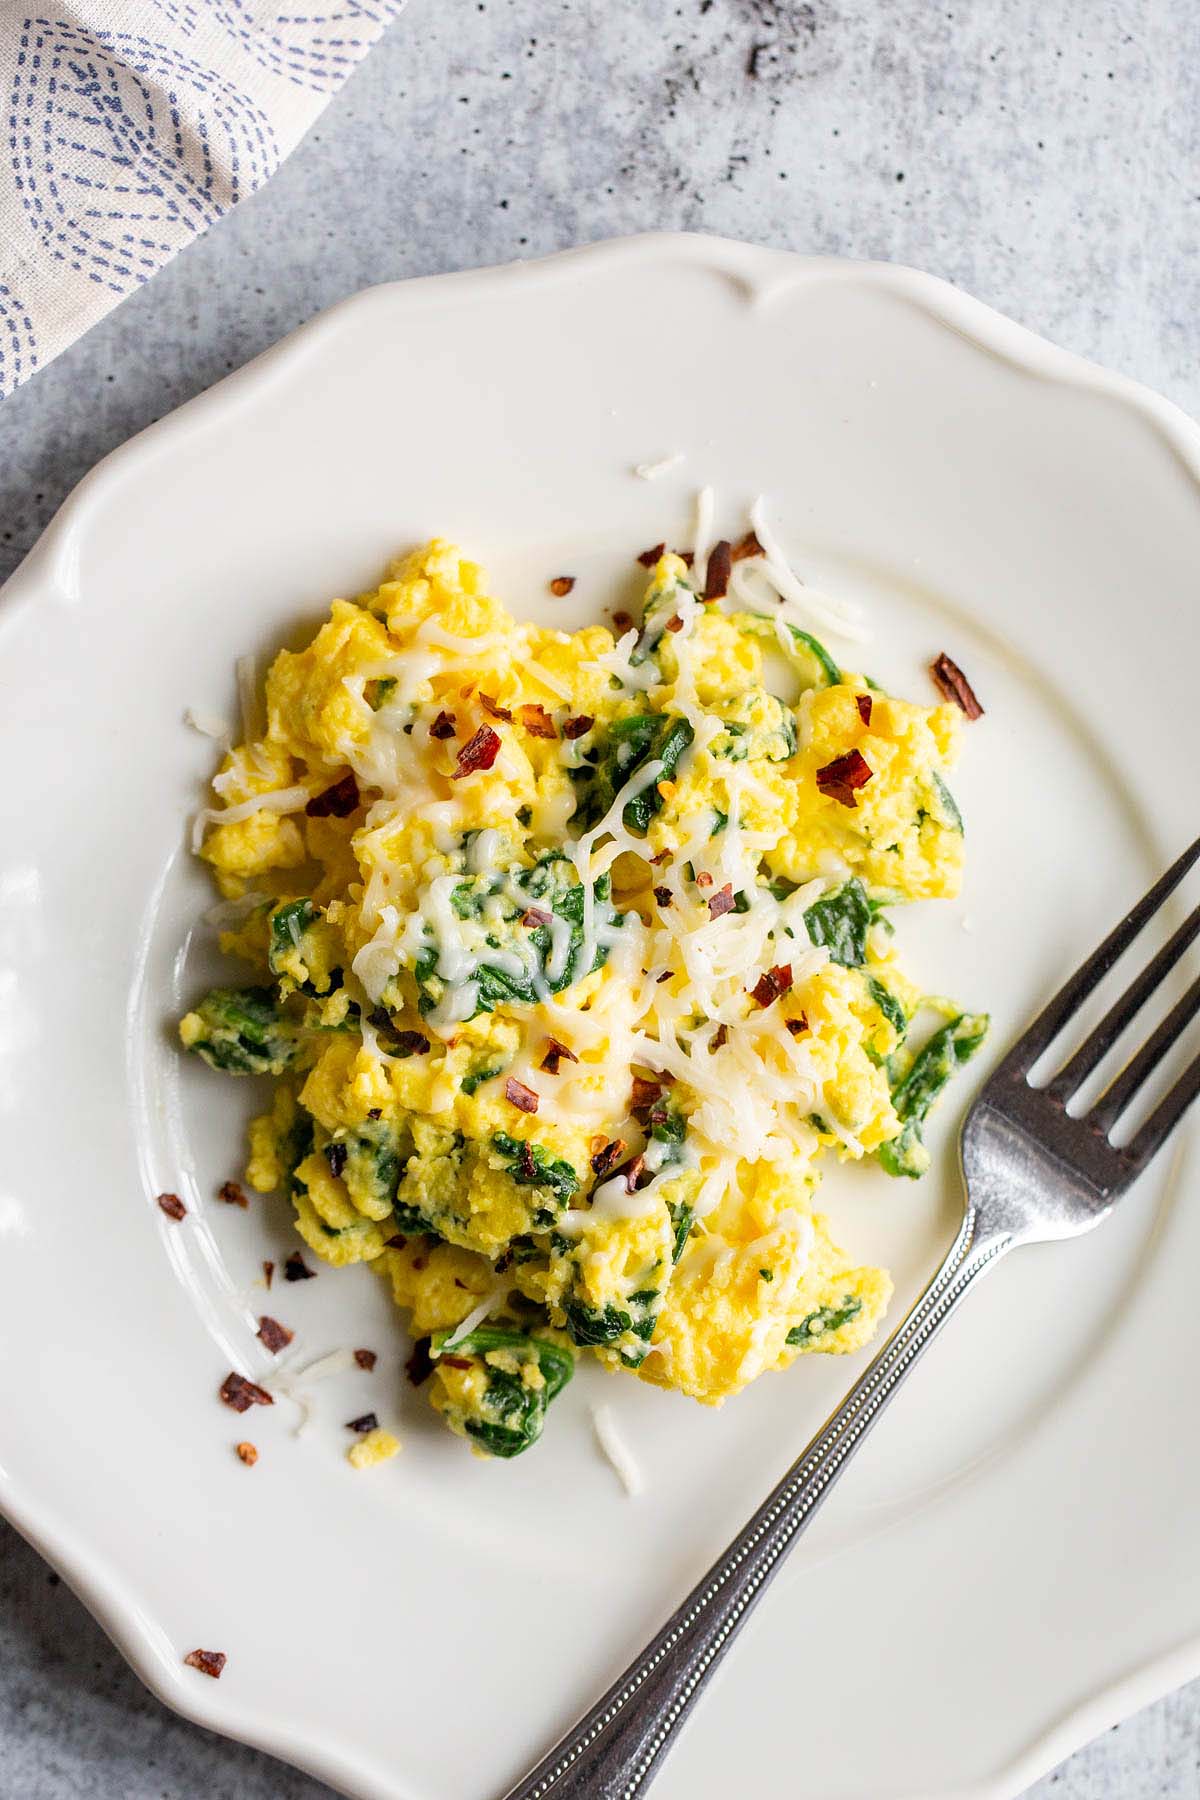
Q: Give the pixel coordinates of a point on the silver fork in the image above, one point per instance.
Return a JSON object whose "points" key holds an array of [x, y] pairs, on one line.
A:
{"points": [[1033, 1174]]}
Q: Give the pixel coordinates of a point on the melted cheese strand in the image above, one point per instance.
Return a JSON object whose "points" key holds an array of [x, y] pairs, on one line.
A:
{"points": [[610, 825], [282, 800]]}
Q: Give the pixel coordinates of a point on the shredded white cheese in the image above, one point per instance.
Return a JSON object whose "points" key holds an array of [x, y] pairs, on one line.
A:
{"points": [[617, 1450], [703, 541], [210, 725], [475, 1317], [247, 684], [650, 471], [283, 800], [291, 1383], [836, 616]]}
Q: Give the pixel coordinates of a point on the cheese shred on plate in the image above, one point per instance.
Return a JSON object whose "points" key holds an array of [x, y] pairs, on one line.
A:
{"points": [[571, 961]]}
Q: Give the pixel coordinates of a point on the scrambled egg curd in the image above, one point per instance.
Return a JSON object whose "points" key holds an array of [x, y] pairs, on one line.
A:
{"points": [[571, 961]]}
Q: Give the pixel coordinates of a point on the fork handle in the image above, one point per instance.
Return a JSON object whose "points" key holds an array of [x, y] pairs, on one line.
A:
{"points": [[615, 1750]]}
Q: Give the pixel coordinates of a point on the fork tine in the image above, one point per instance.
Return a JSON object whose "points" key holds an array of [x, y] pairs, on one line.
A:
{"points": [[1162, 1120], [1072, 994], [1096, 1047], [1116, 1098]]}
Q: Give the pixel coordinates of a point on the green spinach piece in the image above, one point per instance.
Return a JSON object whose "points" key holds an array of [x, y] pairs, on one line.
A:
{"points": [[889, 1006], [477, 1077], [912, 1097], [508, 1416], [953, 818], [625, 746], [552, 885], [377, 1154], [807, 655], [530, 1165], [824, 1320], [290, 949], [683, 1217], [592, 1327], [840, 920], [245, 1032]]}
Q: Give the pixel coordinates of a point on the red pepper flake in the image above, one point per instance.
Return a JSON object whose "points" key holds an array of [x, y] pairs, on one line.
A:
{"points": [[633, 1174], [562, 585], [537, 721], [716, 576], [952, 684], [648, 558], [419, 1263], [241, 1394], [268, 1273], [209, 1662], [296, 1269], [579, 726], [528, 1163], [665, 976], [798, 1024], [664, 896], [841, 778], [479, 752], [533, 915], [366, 1359], [771, 983], [554, 1055], [374, 1112], [606, 1160], [337, 1156], [662, 857], [443, 726], [518, 1095], [395, 1242], [337, 802], [419, 1366], [233, 1194], [747, 546], [719, 1037], [686, 557], [456, 1362], [863, 703], [410, 1043], [674, 623], [247, 1453], [490, 707], [365, 1422], [622, 620], [173, 1206], [721, 902], [704, 879], [644, 1094], [275, 1336]]}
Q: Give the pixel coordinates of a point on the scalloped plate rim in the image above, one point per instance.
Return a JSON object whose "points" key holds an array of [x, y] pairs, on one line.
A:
{"points": [[767, 275]]}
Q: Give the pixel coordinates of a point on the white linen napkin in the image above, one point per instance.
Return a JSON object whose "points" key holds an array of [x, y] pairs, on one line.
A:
{"points": [[128, 126]]}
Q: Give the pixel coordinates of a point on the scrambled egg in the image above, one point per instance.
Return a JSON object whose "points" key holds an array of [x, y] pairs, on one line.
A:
{"points": [[571, 961]]}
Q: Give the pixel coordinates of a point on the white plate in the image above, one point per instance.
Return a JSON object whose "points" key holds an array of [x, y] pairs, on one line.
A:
{"points": [[1009, 1567]]}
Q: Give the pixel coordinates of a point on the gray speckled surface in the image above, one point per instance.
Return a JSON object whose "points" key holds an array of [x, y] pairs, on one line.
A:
{"points": [[1044, 157]]}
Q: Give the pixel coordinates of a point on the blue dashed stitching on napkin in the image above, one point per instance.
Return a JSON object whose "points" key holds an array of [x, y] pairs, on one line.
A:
{"points": [[300, 47], [121, 101], [18, 343]]}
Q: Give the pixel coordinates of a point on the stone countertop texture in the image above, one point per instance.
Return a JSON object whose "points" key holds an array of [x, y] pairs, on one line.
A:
{"points": [[1042, 157]]}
